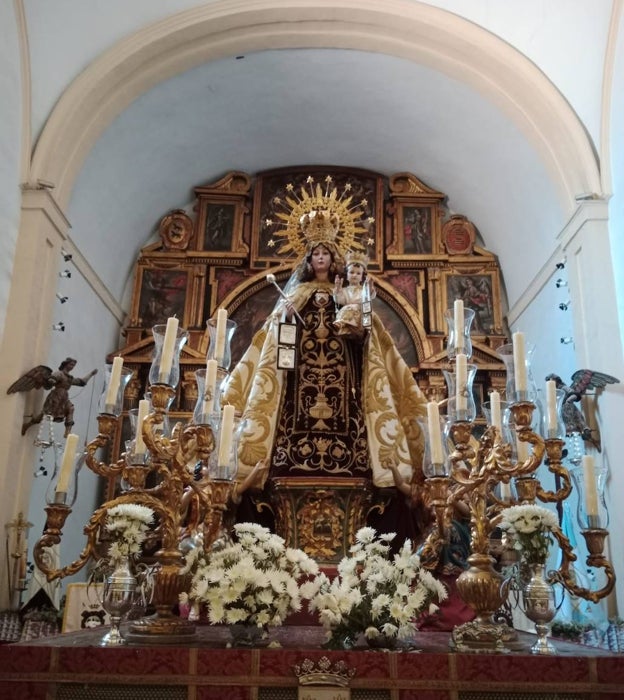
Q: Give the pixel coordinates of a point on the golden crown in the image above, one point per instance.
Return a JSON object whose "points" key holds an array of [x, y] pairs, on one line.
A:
{"points": [[320, 226], [313, 213], [324, 672], [354, 257]]}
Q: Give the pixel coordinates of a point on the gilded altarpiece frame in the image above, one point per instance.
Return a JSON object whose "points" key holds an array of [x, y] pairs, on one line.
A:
{"points": [[223, 258]]}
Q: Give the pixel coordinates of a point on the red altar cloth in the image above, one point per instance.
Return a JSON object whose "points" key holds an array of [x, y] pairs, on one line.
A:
{"points": [[206, 670]]}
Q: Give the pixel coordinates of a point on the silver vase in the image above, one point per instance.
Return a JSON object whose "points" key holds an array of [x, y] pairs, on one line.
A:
{"points": [[118, 598], [539, 606]]}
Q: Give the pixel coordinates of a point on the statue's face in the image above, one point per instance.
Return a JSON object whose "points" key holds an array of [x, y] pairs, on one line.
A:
{"points": [[321, 259], [355, 274]]}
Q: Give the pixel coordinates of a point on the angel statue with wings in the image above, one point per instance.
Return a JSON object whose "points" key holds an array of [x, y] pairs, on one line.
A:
{"points": [[57, 403]]}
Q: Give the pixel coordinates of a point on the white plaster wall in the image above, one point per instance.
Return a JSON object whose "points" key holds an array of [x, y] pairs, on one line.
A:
{"points": [[66, 35], [10, 142], [616, 204], [544, 324], [565, 38]]}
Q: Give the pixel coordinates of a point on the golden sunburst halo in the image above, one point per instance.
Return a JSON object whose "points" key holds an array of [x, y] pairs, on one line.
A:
{"points": [[353, 231]]}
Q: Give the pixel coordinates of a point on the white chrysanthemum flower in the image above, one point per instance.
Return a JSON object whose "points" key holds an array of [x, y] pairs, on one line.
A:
{"points": [[376, 592], [389, 629], [365, 535], [128, 524], [371, 633], [253, 580], [379, 603], [234, 615]]}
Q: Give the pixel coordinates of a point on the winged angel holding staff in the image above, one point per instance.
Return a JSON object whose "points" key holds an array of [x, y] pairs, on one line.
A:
{"points": [[57, 403]]}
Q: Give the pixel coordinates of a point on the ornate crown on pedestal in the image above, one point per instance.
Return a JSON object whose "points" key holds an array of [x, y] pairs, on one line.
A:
{"points": [[324, 673], [313, 214]]}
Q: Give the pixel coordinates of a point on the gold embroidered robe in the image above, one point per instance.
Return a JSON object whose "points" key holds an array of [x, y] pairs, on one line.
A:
{"points": [[389, 398]]}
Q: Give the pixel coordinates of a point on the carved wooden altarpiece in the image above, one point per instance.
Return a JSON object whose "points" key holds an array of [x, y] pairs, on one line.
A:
{"points": [[422, 259]]}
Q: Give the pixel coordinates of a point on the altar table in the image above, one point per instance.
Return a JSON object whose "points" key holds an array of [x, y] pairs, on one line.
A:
{"points": [[73, 667]]}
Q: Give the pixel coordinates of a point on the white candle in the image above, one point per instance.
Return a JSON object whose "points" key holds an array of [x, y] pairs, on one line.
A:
{"points": [[139, 443], [519, 358], [210, 387], [166, 359], [220, 334], [495, 410], [591, 493], [461, 378], [435, 437], [226, 435], [522, 449], [458, 318], [67, 465], [114, 381], [551, 408], [505, 491]]}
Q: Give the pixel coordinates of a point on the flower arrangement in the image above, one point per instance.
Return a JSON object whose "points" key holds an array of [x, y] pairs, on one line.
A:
{"points": [[374, 592], [253, 580], [128, 524], [530, 527]]}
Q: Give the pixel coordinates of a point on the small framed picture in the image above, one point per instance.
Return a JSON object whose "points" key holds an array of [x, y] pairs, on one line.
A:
{"points": [[83, 607], [480, 291], [221, 216], [287, 334], [162, 293], [286, 357]]}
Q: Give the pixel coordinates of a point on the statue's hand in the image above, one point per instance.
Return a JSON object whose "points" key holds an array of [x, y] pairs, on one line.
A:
{"points": [[290, 309]]}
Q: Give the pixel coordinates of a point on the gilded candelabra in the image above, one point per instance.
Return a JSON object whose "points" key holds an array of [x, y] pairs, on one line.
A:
{"points": [[167, 462], [472, 475]]}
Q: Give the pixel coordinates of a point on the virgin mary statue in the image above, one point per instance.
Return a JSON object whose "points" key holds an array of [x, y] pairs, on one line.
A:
{"points": [[344, 411]]}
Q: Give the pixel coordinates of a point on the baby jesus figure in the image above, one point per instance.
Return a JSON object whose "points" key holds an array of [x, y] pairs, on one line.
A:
{"points": [[353, 317]]}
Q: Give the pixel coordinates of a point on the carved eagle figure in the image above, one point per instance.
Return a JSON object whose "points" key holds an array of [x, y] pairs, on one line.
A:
{"points": [[572, 416]]}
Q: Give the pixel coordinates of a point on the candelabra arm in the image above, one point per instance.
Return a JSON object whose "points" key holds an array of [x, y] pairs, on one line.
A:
{"points": [[554, 451], [58, 513], [595, 545], [501, 458], [220, 494], [158, 445], [533, 461], [195, 443], [106, 424]]}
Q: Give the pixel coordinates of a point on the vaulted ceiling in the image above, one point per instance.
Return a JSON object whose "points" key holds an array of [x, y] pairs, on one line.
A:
{"points": [[133, 107]]}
